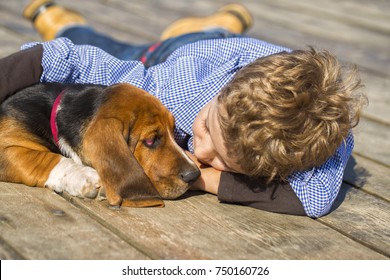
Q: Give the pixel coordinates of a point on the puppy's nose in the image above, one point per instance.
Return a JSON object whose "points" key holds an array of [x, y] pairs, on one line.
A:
{"points": [[190, 175]]}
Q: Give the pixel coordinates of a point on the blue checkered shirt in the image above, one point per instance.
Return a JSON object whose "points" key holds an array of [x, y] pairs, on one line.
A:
{"points": [[190, 77]]}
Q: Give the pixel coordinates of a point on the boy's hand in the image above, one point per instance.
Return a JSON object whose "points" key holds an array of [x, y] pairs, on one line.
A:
{"points": [[209, 178]]}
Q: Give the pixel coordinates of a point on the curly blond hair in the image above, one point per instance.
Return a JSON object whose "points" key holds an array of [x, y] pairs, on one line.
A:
{"points": [[289, 112]]}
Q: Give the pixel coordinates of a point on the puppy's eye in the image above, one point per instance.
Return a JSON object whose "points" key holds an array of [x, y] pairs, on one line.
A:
{"points": [[151, 142]]}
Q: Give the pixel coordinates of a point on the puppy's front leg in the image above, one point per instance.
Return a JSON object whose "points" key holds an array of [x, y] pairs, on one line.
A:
{"points": [[75, 179], [24, 160], [46, 169]]}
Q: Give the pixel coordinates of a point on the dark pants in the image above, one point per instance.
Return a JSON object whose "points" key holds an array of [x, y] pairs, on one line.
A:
{"points": [[149, 54]]}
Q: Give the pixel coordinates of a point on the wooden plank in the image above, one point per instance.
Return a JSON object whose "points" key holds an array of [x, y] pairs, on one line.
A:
{"points": [[370, 15], [377, 91], [362, 217], [317, 241], [13, 32], [297, 30], [40, 224], [199, 227], [372, 140], [368, 176], [6, 251], [130, 23], [11, 19], [8, 46]]}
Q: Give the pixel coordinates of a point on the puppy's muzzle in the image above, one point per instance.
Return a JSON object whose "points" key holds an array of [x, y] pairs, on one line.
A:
{"points": [[190, 175]]}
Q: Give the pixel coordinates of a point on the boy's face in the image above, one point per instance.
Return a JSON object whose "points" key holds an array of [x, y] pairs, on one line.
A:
{"points": [[209, 147]]}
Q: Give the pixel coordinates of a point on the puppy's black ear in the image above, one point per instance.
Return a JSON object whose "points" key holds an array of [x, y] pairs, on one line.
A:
{"points": [[105, 148]]}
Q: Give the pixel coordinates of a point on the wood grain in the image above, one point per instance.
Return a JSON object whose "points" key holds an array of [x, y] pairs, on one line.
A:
{"points": [[39, 224]]}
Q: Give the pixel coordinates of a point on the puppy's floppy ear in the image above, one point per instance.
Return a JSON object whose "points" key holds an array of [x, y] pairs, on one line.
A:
{"points": [[105, 148]]}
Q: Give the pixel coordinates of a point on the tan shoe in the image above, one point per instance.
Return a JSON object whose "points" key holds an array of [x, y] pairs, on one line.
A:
{"points": [[49, 18], [233, 17]]}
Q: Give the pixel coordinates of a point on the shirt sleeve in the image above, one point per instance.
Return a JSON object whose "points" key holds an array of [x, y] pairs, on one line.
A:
{"points": [[318, 188], [275, 197], [66, 62], [20, 70]]}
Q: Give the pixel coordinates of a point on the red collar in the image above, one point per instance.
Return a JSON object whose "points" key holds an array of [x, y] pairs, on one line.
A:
{"points": [[53, 117]]}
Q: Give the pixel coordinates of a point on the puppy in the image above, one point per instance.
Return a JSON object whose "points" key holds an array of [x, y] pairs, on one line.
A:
{"points": [[86, 139]]}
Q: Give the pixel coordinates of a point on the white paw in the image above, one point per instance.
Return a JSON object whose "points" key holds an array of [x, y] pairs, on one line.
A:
{"points": [[74, 178]]}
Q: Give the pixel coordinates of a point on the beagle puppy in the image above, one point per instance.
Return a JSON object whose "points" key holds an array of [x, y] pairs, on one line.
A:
{"points": [[93, 140]]}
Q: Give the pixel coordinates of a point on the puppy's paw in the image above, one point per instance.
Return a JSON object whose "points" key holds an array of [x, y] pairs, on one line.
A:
{"points": [[89, 181], [102, 194], [75, 179]]}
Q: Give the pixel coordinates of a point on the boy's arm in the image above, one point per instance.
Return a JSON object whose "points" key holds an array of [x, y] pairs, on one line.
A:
{"points": [[238, 188], [276, 197], [65, 62], [318, 188], [20, 70]]}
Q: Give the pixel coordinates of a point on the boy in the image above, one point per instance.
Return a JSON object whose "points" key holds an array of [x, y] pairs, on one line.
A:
{"points": [[269, 127]]}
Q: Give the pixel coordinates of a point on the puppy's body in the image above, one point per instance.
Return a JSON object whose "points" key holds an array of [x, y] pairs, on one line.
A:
{"points": [[113, 137], [32, 107]]}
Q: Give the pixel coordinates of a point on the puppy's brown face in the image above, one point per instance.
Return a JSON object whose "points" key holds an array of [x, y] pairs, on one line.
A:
{"points": [[163, 161], [133, 133]]}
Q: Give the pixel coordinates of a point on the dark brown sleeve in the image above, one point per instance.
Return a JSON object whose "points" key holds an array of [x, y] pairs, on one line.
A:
{"points": [[20, 70], [276, 197]]}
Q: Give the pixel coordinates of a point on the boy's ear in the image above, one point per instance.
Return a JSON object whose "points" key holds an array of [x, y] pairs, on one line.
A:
{"points": [[125, 182]]}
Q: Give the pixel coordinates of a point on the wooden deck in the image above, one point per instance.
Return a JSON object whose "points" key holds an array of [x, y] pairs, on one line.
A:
{"points": [[39, 224]]}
